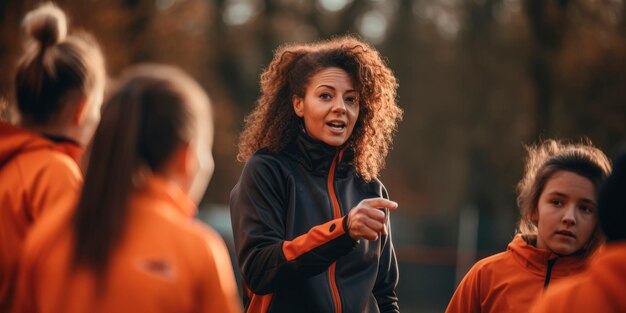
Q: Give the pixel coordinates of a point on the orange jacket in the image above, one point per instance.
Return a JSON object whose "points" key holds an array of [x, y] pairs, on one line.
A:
{"points": [[510, 281], [166, 262], [36, 175], [601, 288]]}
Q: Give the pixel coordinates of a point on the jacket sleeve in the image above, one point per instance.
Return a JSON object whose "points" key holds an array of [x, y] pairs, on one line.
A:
{"points": [[387, 277], [24, 299], [57, 186], [466, 298], [258, 206]]}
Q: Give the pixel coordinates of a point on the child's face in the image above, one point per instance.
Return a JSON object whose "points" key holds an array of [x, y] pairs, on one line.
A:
{"points": [[566, 213]]}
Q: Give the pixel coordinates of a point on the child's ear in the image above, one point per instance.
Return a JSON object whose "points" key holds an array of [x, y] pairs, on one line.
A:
{"points": [[534, 217], [80, 112], [185, 160], [298, 105]]}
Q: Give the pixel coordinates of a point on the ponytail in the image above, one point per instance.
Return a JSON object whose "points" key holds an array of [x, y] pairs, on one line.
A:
{"points": [[101, 211], [155, 110]]}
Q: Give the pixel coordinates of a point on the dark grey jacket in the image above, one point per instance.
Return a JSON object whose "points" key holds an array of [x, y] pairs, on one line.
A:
{"points": [[288, 215]]}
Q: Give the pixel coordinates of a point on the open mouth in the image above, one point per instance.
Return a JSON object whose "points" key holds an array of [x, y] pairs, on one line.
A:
{"points": [[566, 233], [338, 125]]}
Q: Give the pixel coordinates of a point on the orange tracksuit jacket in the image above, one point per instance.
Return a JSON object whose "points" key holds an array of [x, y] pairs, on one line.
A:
{"points": [[166, 262], [510, 281], [37, 175], [601, 288]]}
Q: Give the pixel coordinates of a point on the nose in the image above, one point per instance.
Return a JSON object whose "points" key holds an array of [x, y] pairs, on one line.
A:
{"points": [[339, 106], [569, 215]]}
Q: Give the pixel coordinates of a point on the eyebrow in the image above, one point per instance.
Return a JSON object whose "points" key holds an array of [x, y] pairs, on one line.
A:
{"points": [[333, 88], [557, 193]]}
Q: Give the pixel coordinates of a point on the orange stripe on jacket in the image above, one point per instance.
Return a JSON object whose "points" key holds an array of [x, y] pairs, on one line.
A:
{"points": [[316, 237], [258, 303], [337, 213]]}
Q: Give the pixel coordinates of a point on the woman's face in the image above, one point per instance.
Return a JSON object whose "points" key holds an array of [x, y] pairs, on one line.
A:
{"points": [[330, 106], [566, 213]]}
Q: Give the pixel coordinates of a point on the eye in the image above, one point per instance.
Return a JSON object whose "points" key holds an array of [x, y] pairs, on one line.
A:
{"points": [[351, 99], [326, 96], [586, 209], [556, 202]]}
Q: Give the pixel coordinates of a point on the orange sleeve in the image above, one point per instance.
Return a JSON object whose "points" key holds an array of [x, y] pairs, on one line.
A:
{"points": [[466, 298], [24, 299], [219, 289], [57, 186], [314, 238]]}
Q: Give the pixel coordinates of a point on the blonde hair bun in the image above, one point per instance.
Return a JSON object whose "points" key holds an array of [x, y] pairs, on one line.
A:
{"points": [[47, 24]]}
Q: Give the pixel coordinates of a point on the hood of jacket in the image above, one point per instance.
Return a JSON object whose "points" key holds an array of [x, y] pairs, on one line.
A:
{"points": [[17, 140], [536, 260]]}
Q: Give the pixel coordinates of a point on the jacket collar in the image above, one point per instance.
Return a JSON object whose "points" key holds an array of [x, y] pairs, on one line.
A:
{"points": [[536, 260], [16, 140], [158, 188], [67, 146], [318, 156]]}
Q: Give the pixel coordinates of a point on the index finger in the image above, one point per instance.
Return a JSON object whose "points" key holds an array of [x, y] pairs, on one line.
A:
{"points": [[381, 203]]}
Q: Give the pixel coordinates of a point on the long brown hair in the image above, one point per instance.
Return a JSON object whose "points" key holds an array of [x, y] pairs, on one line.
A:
{"points": [[543, 161], [57, 69], [273, 122], [154, 111]]}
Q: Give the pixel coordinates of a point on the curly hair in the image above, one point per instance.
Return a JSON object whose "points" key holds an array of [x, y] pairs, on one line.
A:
{"points": [[548, 158], [273, 122]]}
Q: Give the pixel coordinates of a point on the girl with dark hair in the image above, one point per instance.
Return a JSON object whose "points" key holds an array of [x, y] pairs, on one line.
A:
{"points": [[602, 287], [131, 245], [58, 87], [310, 218], [557, 231]]}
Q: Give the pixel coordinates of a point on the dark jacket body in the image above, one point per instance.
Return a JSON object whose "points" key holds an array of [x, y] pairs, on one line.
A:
{"points": [[288, 214]]}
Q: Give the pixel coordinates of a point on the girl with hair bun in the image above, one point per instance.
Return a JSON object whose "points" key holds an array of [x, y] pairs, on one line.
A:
{"points": [[557, 231], [132, 245], [310, 217], [59, 85]]}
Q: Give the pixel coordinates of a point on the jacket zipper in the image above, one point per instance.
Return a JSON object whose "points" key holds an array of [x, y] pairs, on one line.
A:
{"points": [[336, 214], [548, 273]]}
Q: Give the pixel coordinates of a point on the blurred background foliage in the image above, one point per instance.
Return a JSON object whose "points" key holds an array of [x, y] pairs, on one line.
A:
{"points": [[478, 80]]}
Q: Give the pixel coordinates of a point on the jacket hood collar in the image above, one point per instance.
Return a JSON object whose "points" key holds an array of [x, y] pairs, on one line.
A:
{"points": [[536, 260], [318, 156], [159, 188], [16, 140]]}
